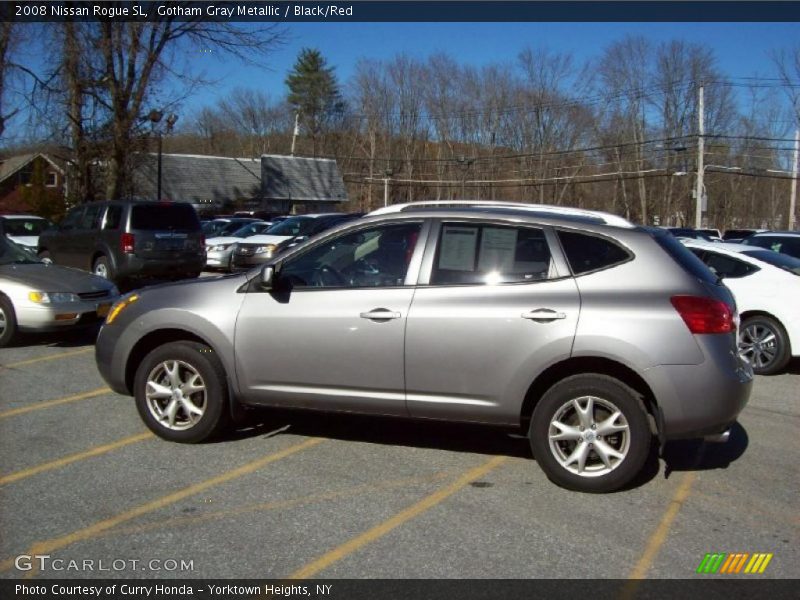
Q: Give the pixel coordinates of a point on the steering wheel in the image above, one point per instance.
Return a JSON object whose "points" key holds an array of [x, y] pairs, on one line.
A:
{"points": [[327, 276]]}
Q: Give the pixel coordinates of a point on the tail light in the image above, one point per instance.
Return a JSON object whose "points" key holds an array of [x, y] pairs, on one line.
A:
{"points": [[704, 315], [126, 243]]}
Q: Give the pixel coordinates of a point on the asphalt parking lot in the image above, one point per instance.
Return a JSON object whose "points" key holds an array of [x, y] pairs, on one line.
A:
{"points": [[303, 495]]}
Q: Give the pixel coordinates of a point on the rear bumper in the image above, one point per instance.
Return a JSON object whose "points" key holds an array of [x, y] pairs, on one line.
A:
{"points": [[131, 266], [702, 400]]}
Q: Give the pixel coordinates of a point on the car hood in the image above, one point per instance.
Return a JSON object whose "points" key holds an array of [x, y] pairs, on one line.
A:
{"points": [[258, 240], [52, 278], [25, 240], [216, 241]]}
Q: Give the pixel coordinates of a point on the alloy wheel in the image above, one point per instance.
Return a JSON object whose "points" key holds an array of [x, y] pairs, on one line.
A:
{"points": [[176, 395], [759, 345]]}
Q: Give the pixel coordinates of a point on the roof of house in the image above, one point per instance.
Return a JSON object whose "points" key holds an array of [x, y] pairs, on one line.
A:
{"points": [[13, 164], [196, 178], [296, 178]]}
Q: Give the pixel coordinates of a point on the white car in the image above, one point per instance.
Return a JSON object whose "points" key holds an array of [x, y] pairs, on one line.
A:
{"points": [[219, 249], [35, 296], [766, 285], [24, 229]]}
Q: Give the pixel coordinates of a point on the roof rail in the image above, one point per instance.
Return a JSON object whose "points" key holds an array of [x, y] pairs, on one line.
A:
{"points": [[541, 209]]}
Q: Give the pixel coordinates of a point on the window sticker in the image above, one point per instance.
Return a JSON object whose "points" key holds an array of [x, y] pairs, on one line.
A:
{"points": [[497, 249], [458, 248]]}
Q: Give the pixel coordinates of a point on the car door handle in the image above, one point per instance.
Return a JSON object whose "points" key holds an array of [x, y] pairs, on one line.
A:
{"points": [[380, 314], [544, 314]]}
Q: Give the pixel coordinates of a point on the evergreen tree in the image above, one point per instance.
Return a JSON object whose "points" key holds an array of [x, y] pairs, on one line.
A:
{"points": [[314, 93]]}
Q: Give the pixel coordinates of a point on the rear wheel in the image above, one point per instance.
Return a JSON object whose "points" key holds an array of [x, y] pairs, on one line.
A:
{"points": [[101, 267], [8, 321], [590, 433], [764, 343], [181, 392]]}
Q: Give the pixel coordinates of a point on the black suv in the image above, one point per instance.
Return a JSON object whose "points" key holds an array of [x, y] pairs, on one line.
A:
{"points": [[123, 240]]}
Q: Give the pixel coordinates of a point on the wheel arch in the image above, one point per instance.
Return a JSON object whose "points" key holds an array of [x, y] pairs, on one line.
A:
{"points": [[151, 341], [585, 365]]}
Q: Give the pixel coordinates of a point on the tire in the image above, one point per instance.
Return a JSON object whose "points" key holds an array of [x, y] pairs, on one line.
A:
{"points": [[630, 437], [8, 321], [190, 358], [102, 268], [45, 257], [764, 343]]}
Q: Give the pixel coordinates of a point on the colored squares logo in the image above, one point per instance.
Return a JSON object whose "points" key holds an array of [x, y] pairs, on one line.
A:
{"points": [[734, 563]]}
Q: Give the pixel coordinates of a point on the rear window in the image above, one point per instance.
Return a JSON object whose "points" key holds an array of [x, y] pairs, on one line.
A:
{"points": [[782, 261], [21, 227], [587, 253], [164, 216], [683, 256]]}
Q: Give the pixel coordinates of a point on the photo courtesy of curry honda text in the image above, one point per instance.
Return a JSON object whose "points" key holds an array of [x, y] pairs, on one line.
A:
{"points": [[591, 335]]}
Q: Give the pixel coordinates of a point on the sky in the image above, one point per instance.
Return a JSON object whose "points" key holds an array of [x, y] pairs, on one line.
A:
{"points": [[742, 49]]}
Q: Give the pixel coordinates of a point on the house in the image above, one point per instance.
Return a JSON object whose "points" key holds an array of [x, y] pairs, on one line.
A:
{"points": [[33, 183], [215, 183]]}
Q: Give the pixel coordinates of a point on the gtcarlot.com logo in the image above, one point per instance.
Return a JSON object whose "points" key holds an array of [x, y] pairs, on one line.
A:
{"points": [[734, 563], [44, 562]]}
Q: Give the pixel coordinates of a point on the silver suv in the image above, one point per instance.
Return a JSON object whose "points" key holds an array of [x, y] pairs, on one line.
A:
{"points": [[590, 334]]}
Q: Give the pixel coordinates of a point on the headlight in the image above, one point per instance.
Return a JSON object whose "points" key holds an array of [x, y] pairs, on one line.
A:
{"points": [[219, 248], [52, 297], [119, 306], [268, 249]]}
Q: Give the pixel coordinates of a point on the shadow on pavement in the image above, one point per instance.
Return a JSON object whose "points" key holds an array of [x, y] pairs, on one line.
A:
{"points": [[697, 455]]}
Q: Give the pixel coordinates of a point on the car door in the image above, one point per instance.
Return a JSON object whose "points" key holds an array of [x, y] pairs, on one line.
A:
{"points": [[85, 237], [330, 333], [495, 306]]}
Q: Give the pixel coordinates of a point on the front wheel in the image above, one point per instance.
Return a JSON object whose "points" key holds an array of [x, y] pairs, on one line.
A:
{"points": [[764, 343], [45, 257], [590, 433], [8, 321], [181, 392]]}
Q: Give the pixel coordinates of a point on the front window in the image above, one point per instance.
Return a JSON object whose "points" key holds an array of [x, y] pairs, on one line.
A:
{"points": [[376, 257]]}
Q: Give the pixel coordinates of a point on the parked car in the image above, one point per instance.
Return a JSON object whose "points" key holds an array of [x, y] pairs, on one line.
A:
{"points": [[124, 240], [766, 285], [225, 226], [24, 229], [785, 242], [284, 235], [697, 234], [547, 321], [35, 296], [737, 235], [219, 250]]}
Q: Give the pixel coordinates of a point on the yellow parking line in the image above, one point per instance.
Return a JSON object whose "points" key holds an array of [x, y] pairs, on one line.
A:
{"points": [[659, 536], [47, 546], [31, 361], [50, 403], [55, 464], [382, 529]]}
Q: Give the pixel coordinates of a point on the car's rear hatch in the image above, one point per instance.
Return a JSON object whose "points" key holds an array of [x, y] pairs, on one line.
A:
{"points": [[165, 231]]}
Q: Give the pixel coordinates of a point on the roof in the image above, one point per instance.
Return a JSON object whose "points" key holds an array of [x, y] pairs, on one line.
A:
{"points": [[13, 164], [540, 210], [196, 178], [301, 179]]}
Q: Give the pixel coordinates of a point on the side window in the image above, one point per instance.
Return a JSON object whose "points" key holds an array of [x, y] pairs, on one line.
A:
{"points": [[72, 218], [727, 266], [113, 217], [472, 254], [587, 253], [89, 220], [377, 257]]}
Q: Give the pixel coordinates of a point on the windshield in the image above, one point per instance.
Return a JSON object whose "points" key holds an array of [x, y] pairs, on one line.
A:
{"points": [[12, 254], [26, 226], [248, 230], [292, 226], [776, 259]]}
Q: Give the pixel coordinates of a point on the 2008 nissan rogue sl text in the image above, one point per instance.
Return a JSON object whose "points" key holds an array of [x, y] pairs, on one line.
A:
{"points": [[590, 333]]}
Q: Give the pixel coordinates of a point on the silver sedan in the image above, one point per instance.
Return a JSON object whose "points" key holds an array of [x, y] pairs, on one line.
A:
{"points": [[35, 296]]}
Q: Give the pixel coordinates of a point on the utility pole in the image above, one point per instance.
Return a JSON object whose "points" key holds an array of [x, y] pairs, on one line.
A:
{"points": [[698, 211], [296, 130], [793, 194], [388, 174]]}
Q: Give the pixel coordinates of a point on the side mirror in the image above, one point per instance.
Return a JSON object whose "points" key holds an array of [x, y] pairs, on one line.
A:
{"points": [[266, 278]]}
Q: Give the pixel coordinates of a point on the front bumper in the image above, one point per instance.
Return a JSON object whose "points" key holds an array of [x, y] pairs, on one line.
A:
{"points": [[55, 317], [219, 259]]}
